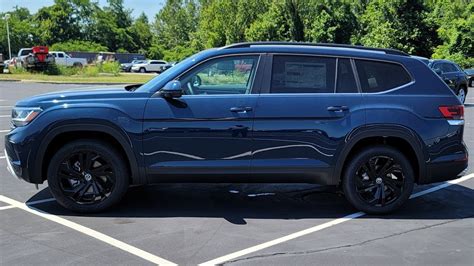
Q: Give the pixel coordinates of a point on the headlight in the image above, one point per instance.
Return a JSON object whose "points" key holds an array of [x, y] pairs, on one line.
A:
{"points": [[22, 116]]}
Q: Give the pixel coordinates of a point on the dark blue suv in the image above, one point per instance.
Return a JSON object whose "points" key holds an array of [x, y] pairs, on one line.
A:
{"points": [[372, 122]]}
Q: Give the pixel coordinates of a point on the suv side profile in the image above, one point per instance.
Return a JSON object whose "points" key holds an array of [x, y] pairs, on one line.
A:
{"points": [[372, 122]]}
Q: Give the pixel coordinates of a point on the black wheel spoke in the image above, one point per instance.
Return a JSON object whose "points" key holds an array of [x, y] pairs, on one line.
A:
{"points": [[86, 177], [385, 168], [379, 181]]}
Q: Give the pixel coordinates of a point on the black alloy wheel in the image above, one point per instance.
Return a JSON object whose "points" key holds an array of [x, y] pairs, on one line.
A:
{"points": [[88, 176], [378, 179]]}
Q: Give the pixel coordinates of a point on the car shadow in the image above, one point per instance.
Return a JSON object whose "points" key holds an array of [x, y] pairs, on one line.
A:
{"points": [[237, 202]]}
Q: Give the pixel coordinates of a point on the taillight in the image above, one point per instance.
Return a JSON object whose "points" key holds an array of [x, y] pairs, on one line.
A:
{"points": [[454, 112]]}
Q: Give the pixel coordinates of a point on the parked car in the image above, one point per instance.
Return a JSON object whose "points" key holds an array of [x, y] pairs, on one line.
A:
{"points": [[63, 59], [127, 67], [37, 57], [470, 76], [157, 66], [453, 75], [371, 122]]}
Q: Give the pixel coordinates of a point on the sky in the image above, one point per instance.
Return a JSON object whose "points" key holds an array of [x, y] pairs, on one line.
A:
{"points": [[150, 7]]}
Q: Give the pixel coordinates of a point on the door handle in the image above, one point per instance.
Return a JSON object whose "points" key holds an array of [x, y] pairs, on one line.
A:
{"points": [[338, 108], [241, 109]]}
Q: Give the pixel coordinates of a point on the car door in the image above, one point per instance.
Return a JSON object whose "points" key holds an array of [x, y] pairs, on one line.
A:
{"points": [[207, 131], [303, 116], [448, 74], [60, 59]]}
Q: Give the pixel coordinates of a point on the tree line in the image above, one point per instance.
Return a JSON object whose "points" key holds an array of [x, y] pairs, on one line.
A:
{"points": [[429, 28]]}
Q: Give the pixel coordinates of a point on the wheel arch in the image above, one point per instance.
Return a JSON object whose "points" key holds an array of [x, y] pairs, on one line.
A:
{"points": [[56, 137], [398, 137]]}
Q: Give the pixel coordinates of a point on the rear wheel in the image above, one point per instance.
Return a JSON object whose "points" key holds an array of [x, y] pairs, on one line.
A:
{"points": [[87, 176], [142, 70], [378, 180], [462, 94]]}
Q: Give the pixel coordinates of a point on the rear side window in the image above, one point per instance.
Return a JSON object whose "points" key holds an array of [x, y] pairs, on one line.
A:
{"points": [[380, 76], [303, 74], [346, 82]]}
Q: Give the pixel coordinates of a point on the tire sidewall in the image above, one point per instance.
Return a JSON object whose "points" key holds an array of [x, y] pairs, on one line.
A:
{"points": [[349, 187], [116, 161]]}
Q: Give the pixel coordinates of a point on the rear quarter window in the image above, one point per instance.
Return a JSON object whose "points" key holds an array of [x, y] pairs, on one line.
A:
{"points": [[380, 76]]}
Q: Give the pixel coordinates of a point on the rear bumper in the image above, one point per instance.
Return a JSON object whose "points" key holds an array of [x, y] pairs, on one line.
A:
{"points": [[446, 168]]}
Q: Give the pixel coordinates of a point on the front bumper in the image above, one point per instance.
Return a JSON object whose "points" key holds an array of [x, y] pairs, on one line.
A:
{"points": [[17, 155]]}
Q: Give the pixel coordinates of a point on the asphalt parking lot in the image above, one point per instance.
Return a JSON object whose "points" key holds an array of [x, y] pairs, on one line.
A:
{"points": [[189, 224]]}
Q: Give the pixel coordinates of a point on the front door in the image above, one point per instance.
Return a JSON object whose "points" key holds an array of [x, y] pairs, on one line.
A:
{"points": [[303, 117], [207, 131]]}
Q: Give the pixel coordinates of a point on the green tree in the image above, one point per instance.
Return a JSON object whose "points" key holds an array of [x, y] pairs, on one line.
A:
{"points": [[63, 21], [22, 32], [141, 34], [282, 22], [455, 21], [78, 46], [398, 24]]}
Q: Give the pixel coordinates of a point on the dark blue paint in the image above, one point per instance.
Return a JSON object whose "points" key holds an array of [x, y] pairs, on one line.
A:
{"points": [[281, 138]]}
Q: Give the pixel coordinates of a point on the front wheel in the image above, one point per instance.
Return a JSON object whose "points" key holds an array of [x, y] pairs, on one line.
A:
{"points": [[87, 176], [142, 70], [378, 180]]}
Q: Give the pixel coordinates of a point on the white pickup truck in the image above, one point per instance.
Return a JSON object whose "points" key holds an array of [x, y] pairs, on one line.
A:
{"points": [[61, 58]]}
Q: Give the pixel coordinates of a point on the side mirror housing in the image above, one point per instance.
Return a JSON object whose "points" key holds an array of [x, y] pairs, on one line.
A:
{"points": [[172, 89], [438, 71]]}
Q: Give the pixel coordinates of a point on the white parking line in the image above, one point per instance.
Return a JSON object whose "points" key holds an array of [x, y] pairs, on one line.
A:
{"points": [[90, 232], [7, 207], [320, 227], [4, 130], [5, 115], [2, 157]]}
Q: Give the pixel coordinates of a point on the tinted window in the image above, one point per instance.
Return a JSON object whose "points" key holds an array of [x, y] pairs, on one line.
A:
{"points": [[380, 76], [60, 55], [451, 67], [227, 75], [345, 77], [303, 74]]}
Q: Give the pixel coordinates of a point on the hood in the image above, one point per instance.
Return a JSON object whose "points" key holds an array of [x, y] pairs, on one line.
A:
{"points": [[78, 96]]}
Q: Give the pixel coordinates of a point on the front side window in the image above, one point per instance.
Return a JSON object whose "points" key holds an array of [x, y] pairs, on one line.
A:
{"points": [[303, 74], [226, 75], [378, 76]]}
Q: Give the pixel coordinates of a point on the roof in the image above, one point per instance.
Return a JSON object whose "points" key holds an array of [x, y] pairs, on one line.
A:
{"points": [[316, 45]]}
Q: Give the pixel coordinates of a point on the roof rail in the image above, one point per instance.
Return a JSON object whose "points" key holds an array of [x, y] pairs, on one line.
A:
{"points": [[336, 45]]}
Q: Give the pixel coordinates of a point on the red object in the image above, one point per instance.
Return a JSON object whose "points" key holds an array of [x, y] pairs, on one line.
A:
{"points": [[41, 52], [452, 112]]}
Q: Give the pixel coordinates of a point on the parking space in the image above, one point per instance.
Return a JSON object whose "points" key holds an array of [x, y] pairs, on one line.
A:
{"points": [[272, 224]]}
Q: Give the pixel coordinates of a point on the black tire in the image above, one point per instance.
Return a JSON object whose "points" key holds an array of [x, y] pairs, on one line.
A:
{"points": [[142, 70], [77, 64], [390, 191], [87, 176]]}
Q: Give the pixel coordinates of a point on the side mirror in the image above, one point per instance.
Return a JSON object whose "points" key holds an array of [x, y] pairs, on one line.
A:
{"points": [[172, 89], [438, 71]]}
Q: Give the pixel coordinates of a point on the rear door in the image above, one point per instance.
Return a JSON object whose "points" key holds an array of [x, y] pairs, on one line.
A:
{"points": [[303, 115]]}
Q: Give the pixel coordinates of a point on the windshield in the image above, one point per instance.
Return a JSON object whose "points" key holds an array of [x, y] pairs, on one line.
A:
{"points": [[160, 80]]}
